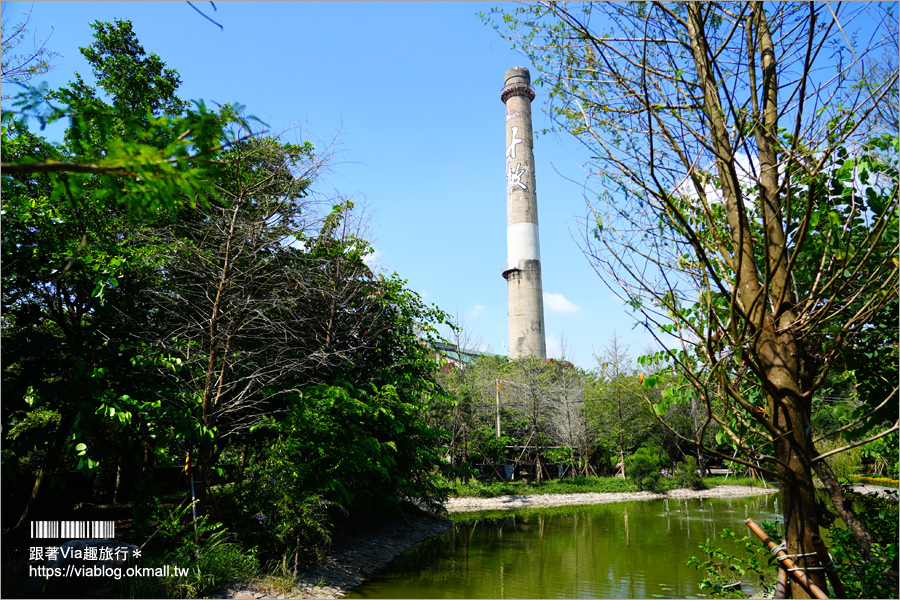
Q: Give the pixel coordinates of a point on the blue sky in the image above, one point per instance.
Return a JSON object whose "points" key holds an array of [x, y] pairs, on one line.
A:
{"points": [[411, 91]]}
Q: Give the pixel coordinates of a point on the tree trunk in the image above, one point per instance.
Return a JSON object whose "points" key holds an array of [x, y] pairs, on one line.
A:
{"points": [[47, 466], [200, 475], [244, 450], [117, 493], [780, 355]]}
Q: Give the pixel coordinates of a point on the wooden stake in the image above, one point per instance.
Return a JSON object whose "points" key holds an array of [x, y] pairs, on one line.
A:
{"points": [[786, 563]]}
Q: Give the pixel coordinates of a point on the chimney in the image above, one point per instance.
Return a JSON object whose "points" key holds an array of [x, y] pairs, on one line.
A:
{"points": [[523, 249]]}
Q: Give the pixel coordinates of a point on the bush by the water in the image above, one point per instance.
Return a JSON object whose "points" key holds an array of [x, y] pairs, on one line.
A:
{"points": [[643, 467], [687, 476], [211, 555], [864, 578]]}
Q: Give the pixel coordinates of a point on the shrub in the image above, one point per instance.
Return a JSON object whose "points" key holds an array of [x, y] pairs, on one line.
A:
{"points": [[276, 510], [210, 554], [722, 566], [642, 469], [686, 475], [862, 578]]}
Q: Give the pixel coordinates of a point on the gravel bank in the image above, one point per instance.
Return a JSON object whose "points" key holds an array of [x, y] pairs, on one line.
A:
{"points": [[546, 500], [351, 560]]}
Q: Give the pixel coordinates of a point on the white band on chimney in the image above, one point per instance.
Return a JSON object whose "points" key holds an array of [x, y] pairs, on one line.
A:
{"points": [[522, 243]]}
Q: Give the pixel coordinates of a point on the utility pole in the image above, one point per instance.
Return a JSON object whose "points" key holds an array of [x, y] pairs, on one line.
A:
{"points": [[499, 384]]}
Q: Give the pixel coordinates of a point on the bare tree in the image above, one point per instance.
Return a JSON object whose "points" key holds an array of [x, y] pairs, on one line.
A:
{"points": [[731, 210], [260, 289], [460, 382], [567, 423], [19, 65], [529, 402]]}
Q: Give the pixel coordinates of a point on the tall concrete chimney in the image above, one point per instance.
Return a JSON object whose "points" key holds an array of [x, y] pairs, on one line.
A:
{"points": [[523, 249]]}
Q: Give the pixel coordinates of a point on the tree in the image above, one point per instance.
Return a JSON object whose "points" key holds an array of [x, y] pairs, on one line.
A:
{"points": [[458, 379], [616, 408], [734, 213], [232, 314], [173, 283], [531, 403], [21, 67], [133, 142], [72, 272], [567, 424]]}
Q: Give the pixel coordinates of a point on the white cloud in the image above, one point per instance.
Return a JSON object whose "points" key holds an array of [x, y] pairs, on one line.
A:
{"points": [[559, 303], [371, 259], [554, 346], [477, 310], [748, 173]]}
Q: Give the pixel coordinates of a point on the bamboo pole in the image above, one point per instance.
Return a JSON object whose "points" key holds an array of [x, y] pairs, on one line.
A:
{"points": [[783, 584], [786, 563], [825, 560]]}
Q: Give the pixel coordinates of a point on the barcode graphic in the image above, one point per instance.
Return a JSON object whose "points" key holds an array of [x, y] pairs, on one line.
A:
{"points": [[73, 529]]}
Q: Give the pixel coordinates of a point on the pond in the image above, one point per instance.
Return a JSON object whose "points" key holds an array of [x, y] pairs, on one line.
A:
{"points": [[620, 550]]}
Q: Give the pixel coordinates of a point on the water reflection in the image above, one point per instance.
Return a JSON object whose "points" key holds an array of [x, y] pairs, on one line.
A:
{"points": [[622, 550]]}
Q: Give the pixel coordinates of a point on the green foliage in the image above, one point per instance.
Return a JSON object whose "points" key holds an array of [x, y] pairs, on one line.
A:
{"points": [[485, 446], [578, 485], [724, 567], [862, 578], [844, 464], [210, 553], [687, 476], [617, 412], [643, 467], [884, 453], [275, 508], [362, 449], [141, 147], [732, 480], [110, 242]]}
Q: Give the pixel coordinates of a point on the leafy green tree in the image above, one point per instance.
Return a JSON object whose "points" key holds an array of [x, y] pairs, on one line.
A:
{"points": [[74, 266], [131, 142], [687, 476], [616, 408], [358, 441], [737, 213], [170, 285], [643, 468], [531, 404], [232, 316], [463, 401]]}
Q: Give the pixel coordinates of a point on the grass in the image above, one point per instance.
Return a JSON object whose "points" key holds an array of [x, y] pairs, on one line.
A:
{"points": [[580, 485], [732, 480]]}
